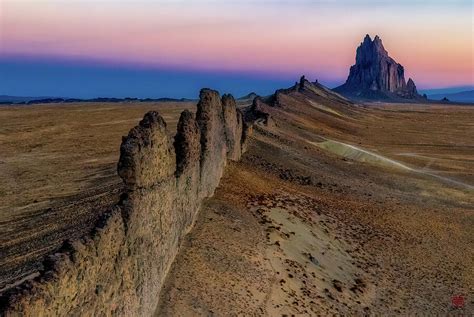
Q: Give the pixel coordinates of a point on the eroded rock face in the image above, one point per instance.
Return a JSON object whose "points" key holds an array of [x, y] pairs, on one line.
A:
{"points": [[187, 142], [210, 119], [375, 74], [146, 154], [258, 111], [411, 88], [120, 268], [303, 82], [246, 133], [233, 125], [276, 100]]}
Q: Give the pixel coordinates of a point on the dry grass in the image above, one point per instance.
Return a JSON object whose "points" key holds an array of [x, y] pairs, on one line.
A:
{"points": [[404, 239], [385, 241], [58, 173]]}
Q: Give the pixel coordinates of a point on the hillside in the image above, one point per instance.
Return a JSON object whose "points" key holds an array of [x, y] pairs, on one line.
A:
{"points": [[335, 208]]}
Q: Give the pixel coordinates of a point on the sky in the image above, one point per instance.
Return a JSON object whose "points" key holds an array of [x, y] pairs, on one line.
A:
{"points": [[157, 48]]}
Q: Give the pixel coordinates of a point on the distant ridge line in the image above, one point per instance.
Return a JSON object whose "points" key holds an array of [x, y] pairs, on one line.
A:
{"points": [[100, 99]]}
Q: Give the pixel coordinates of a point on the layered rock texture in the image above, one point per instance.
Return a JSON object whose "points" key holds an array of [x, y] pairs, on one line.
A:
{"points": [[376, 75], [120, 268]]}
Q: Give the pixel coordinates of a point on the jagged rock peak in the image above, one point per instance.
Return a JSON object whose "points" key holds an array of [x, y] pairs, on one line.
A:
{"points": [[411, 87], [258, 111], [304, 83], [369, 50], [147, 140], [376, 75], [207, 95]]}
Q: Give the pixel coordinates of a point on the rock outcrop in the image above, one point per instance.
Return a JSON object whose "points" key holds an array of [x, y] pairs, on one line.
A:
{"points": [[187, 143], [233, 120], [303, 87], [376, 75], [146, 154], [258, 112], [210, 118], [120, 268], [411, 89]]}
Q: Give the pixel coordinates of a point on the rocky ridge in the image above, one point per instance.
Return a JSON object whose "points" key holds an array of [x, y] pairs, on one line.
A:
{"points": [[120, 267]]}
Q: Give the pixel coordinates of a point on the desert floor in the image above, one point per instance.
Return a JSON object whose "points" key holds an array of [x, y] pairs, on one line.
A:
{"points": [[58, 170], [367, 210], [337, 213]]}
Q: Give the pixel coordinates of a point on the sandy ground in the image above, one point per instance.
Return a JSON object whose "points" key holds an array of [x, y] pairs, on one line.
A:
{"points": [[337, 232], [58, 173], [295, 228]]}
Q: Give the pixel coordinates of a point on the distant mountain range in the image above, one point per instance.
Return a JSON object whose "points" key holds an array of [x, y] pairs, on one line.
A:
{"points": [[5, 99], [463, 96], [446, 90], [17, 99], [456, 94]]}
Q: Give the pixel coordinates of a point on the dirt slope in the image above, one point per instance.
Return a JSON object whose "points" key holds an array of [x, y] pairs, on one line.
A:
{"points": [[300, 229]]}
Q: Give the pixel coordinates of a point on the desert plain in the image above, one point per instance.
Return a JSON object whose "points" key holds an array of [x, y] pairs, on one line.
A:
{"points": [[335, 209]]}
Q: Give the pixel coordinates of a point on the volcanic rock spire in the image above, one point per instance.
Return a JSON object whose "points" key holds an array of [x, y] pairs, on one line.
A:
{"points": [[376, 75]]}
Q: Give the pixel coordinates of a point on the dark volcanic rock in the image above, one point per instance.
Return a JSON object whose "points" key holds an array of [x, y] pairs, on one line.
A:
{"points": [[411, 89], [376, 75], [302, 83]]}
